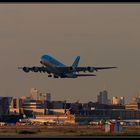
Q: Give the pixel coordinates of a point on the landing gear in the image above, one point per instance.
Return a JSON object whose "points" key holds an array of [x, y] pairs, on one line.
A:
{"points": [[49, 75], [55, 76]]}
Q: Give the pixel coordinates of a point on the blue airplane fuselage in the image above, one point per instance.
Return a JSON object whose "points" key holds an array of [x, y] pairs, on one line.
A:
{"points": [[47, 59], [51, 63]]}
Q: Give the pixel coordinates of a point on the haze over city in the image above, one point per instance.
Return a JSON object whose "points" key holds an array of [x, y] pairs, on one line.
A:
{"points": [[101, 34]]}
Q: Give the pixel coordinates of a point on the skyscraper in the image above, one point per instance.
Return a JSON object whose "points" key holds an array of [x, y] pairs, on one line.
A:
{"points": [[45, 96], [102, 98], [122, 101], [118, 101], [48, 98], [115, 100], [34, 94]]}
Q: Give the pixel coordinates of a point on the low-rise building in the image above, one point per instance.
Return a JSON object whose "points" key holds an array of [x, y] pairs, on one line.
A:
{"points": [[64, 119], [33, 107], [15, 106], [99, 114], [132, 106], [56, 111]]}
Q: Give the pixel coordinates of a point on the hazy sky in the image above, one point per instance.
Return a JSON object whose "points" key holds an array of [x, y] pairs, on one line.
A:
{"points": [[102, 34]]}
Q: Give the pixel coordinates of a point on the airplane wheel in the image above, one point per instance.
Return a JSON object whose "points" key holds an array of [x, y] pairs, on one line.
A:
{"points": [[55, 76]]}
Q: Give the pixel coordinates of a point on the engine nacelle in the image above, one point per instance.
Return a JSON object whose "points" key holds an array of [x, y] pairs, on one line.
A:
{"points": [[26, 69], [90, 69], [35, 69], [72, 69], [44, 69]]}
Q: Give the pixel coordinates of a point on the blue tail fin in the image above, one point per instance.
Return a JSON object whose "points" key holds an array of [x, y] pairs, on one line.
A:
{"points": [[76, 62]]}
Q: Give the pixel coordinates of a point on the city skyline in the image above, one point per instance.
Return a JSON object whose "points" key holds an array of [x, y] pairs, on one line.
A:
{"points": [[102, 34], [102, 97]]}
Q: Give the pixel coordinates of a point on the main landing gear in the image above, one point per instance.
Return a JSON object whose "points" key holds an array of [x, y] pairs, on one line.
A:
{"points": [[49, 75], [55, 76]]}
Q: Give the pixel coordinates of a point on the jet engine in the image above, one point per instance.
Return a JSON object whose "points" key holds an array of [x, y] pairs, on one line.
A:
{"points": [[72, 69], [42, 69], [26, 69], [90, 69], [35, 69]]}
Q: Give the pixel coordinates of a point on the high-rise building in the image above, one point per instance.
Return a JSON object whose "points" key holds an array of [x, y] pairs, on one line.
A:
{"points": [[5, 105], [136, 100], [45, 97], [115, 100], [34, 95], [48, 97], [109, 101], [41, 97], [122, 101], [118, 101], [102, 98]]}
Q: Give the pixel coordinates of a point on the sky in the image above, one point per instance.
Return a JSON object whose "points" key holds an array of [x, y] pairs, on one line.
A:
{"points": [[101, 34]]}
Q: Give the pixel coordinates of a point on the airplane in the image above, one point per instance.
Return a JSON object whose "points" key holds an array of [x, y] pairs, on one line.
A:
{"points": [[57, 69], [31, 120]]}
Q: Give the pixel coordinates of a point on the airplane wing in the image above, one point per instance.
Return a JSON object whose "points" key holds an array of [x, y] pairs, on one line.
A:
{"points": [[67, 69], [92, 69], [34, 69], [84, 69]]}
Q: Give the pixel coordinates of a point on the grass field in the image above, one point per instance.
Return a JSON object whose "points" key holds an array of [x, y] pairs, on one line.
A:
{"points": [[65, 131]]}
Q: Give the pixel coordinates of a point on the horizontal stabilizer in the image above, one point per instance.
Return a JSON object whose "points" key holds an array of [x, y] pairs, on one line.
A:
{"points": [[85, 75], [101, 68]]}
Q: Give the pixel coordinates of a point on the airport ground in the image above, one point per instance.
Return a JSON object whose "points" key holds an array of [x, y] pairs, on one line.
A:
{"points": [[64, 131]]}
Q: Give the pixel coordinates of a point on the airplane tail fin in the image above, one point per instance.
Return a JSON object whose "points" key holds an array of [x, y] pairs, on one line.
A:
{"points": [[76, 62]]}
